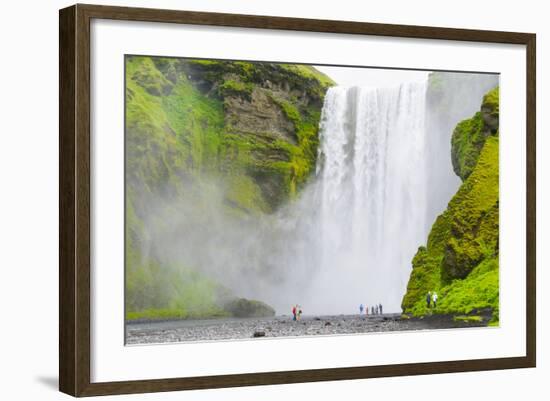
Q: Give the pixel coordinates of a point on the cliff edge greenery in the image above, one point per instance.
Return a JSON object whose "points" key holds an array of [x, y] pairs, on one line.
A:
{"points": [[252, 127], [460, 259]]}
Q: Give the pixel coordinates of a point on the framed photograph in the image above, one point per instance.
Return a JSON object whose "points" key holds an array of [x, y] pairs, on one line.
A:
{"points": [[250, 200]]}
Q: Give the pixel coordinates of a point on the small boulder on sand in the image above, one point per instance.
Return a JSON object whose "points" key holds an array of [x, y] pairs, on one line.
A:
{"points": [[242, 307]]}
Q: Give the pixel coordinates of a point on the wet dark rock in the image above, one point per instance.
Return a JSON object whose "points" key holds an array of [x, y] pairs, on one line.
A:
{"points": [[242, 307], [259, 334]]}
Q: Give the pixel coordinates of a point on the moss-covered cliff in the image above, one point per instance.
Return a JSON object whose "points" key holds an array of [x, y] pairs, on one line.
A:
{"points": [[249, 127], [460, 260], [470, 135]]}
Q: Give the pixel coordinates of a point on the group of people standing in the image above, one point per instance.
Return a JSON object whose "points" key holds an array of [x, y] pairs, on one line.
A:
{"points": [[296, 312], [431, 299], [374, 310]]}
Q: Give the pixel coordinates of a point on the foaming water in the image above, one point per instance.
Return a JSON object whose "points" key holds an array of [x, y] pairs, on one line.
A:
{"points": [[369, 196], [383, 174]]}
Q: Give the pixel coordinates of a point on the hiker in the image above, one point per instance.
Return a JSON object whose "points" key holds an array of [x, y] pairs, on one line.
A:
{"points": [[428, 299], [299, 312], [381, 310], [361, 309], [376, 309], [434, 299], [366, 310], [294, 312], [372, 310]]}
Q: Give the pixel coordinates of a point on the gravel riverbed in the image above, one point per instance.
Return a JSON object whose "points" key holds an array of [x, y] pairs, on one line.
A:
{"points": [[282, 326]]}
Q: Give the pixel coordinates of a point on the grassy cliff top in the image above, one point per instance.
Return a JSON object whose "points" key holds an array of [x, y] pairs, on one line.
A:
{"points": [[289, 77], [308, 71]]}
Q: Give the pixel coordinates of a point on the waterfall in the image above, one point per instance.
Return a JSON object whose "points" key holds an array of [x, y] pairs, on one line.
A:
{"points": [[370, 195]]}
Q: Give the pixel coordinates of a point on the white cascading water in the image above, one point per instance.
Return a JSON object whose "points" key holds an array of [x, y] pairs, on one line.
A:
{"points": [[370, 195], [383, 175]]}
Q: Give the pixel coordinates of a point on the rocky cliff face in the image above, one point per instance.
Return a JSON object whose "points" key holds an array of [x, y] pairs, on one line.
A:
{"points": [[244, 134], [450, 97], [460, 260], [271, 117]]}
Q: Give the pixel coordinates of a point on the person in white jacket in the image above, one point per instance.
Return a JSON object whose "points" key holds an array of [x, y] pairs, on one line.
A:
{"points": [[434, 299]]}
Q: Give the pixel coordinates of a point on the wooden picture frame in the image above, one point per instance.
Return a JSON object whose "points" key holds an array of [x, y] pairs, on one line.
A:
{"points": [[74, 199]]}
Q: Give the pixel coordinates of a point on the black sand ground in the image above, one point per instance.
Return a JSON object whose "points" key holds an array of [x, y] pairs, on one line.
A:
{"points": [[282, 326]]}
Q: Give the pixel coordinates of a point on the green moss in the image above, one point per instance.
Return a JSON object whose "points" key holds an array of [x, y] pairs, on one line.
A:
{"points": [[303, 156], [278, 168], [462, 239], [479, 291], [169, 314], [255, 181], [231, 87], [243, 193], [149, 77], [161, 291], [296, 77], [309, 72], [474, 211], [470, 135], [171, 136], [467, 141], [178, 140], [155, 314], [491, 102], [460, 261], [467, 318]]}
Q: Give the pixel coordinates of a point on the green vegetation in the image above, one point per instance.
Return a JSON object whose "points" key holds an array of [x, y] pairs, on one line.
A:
{"points": [[304, 156], [491, 103], [285, 77], [476, 292], [467, 318], [251, 126], [167, 136], [460, 260], [470, 135], [171, 314], [311, 74], [236, 88], [279, 163]]}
